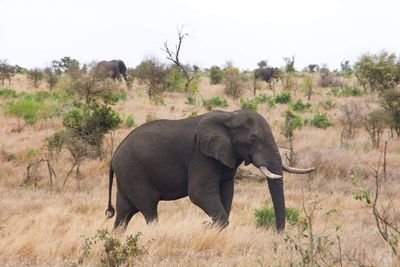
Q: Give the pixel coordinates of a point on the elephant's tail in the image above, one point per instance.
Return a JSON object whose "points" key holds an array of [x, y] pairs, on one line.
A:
{"points": [[110, 210]]}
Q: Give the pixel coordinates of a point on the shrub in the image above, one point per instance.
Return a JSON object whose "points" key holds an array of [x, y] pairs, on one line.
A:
{"points": [[262, 98], [28, 109], [8, 93], [91, 123], [327, 79], [190, 100], [327, 104], [216, 75], [377, 72], [299, 106], [36, 75], [318, 120], [154, 74], [391, 103], [115, 97], [175, 80], [234, 82], [265, 217], [250, 104], [283, 98], [346, 91], [375, 122], [130, 121], [116, 252], [215, 101]]}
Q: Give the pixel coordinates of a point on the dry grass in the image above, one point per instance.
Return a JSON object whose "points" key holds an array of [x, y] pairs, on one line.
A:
{"points": [[39, 227]]}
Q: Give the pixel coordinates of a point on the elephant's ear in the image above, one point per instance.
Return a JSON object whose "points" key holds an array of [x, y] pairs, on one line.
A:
{"points": [[214, 140]]}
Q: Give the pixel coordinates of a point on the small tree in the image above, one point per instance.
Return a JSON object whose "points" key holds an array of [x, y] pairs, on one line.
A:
{"points": [[216, 75], [66, 65], [234, 82], [378, 72], [312, 68], [308, 84], [391, 104], [92, 85], [292, 122], [173, 55], [51, 77], [35, 75], [154, 74], [351, 119], [375, 122], [289, 64], [91, 123], [6, 71]]}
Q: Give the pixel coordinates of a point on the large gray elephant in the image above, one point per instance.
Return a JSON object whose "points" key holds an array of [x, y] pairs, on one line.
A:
{"points": [[195, 157], [113, 69], [266, 74]]}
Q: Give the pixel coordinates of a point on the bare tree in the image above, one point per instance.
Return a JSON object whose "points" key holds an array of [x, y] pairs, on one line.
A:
{"points": [[173, 55]]}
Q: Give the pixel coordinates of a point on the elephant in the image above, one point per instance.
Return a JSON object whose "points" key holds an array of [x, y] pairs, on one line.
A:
{"points": [[196, 157], [113, 69], [266, 74]]}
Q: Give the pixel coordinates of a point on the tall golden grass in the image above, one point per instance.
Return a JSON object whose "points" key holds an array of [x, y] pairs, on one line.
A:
{"points": [[43, 227]]}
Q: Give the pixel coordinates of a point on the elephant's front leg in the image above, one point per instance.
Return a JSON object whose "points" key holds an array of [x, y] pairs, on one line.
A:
{"points": [[226, 191], [206, 195]]}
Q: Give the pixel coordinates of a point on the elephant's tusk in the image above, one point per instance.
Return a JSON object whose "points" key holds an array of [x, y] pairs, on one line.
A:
{"points": [[269, 174], [296, 170]]}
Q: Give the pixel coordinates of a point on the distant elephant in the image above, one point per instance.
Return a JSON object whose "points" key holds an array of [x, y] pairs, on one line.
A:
{"points": [[113, 69], [266, 74], [195, 157]]}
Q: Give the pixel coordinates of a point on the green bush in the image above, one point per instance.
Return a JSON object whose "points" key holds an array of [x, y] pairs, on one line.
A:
{"points": [[318, 120], [115, 252], [299, 106], [28, 109], [8, 93], [262, 98], [91, 123], [283, 98], [249, 104], [215, 101], [265, 217], [346, 91], [130, 121], [190, 100], [115, 97], [216, 75]]}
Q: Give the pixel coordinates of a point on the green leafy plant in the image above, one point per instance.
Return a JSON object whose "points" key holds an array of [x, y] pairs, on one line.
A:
{"points": [[283, 98], [8, 93], [263, 98], [190, 100], [215, 101], [250, 104], [299, 106], [130, 121], [318, 120], [116, 253], [265, 216], [27, 109], [91, 123]]}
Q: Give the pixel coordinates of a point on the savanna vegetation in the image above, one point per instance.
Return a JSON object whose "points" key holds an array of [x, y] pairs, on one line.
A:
{"points": [[60, 125]]}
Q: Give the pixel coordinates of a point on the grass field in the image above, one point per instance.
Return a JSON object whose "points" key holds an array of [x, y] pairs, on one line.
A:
{"points": [[43, 227]]}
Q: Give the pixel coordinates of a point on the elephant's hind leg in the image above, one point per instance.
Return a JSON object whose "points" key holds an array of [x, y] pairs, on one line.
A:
{"points": [[125, 211]]}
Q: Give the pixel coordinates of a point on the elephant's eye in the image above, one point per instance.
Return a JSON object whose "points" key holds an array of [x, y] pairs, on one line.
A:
{"points": [[253, 139]]}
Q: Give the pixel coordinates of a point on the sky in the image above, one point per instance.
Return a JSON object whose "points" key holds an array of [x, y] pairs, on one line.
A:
{"points": [[33, 33]]}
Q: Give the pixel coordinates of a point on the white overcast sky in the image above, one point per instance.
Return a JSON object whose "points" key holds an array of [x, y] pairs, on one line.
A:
{"points": [[35, 32]]}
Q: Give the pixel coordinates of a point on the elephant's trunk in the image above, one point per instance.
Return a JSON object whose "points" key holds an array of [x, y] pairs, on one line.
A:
{"points": [[278, 200]]}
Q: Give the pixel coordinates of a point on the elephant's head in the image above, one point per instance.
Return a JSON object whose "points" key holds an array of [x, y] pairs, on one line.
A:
{"points": [[245, 136]]}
